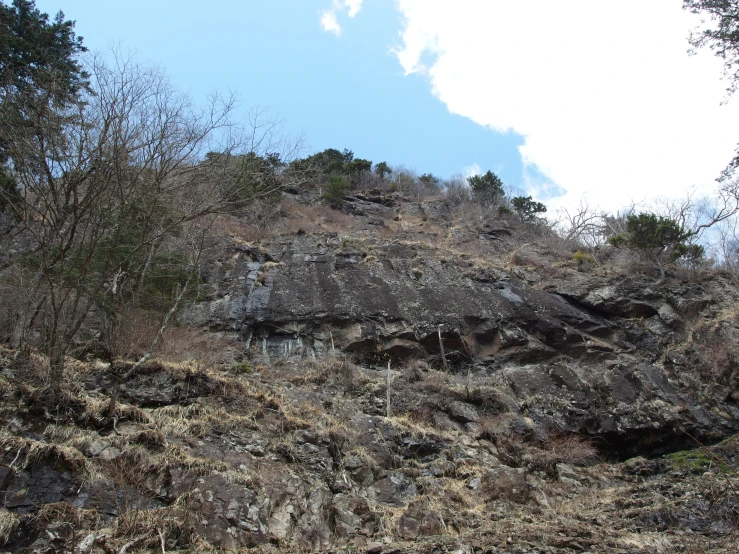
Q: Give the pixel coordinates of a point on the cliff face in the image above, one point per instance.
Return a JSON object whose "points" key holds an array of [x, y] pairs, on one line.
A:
{"points": [[563, 414], [599, 350]]}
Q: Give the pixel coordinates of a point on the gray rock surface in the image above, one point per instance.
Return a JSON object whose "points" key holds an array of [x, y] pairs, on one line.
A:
{"points": [[582, 353]]}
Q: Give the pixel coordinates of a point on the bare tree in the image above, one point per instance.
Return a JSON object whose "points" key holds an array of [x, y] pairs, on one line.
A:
{"points": [[583, 224], [728, 246], [707, 221], [456, 190], [104, 181]]}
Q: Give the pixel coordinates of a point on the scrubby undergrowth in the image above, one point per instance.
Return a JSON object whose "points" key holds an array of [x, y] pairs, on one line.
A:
{"points": [[299, 455]]}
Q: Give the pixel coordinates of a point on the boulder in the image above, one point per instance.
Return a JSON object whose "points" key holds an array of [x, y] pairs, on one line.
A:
{"points": [[507, 483], [461, 411]]}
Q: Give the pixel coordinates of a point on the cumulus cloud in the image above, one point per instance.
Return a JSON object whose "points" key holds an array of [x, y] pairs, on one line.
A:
{"points": [[329, 18], [604, 93]]}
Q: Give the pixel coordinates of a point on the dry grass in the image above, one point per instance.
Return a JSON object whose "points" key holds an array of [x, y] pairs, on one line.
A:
{"points": [[311, 219], [416, 427], [198, 347], [439, 382], [29, 452], [237, 228], [459, 495], [492, 398], [572, 449], [332, 369], [96, 410], [536, 450], [153, 525], [650, 542], [414, 370], [138, 462], [197, 420], [61, 511], [387, 518], [593, 502], [8, 523]]}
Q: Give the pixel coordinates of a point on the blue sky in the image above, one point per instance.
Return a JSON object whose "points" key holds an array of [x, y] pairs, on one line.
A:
{"points": [[581, 99], [339, 92]]}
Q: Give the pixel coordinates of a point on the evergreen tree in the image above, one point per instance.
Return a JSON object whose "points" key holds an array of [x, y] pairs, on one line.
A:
{"points": [[39, 74], [38, 56], [381, 169], [660, 237], [487, 188], [527, 208], [357, 168]]}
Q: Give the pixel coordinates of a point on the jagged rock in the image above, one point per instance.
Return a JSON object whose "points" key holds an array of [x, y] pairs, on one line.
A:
{"points": [[579, 351], [495, 232], [419, 520], [359, 469], [539, 356], [158, 387], [425, 449], [353, 517], [227, 516], [574, 347], [393, 490], [463, 412], [670, 316], [567, 475], [507, 483], [402, 348], [42, 483], [474, 483], [443, 423]]}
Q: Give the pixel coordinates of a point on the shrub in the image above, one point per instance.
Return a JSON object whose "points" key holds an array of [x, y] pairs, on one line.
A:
{"points": [[573, 449], [661, 237], [335, 190], [581, 258]]}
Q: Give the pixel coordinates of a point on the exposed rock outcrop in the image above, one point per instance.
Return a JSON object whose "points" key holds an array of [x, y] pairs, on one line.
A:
{"points": [[594, 354]]}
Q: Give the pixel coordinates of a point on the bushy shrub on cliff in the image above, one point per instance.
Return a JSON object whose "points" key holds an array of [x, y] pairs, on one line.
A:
{"points": [[335, 190], [662, 238]]}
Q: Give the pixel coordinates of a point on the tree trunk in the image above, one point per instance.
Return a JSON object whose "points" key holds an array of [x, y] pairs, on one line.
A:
{"points": [[661, 272], [660, 266], [56, 372]]}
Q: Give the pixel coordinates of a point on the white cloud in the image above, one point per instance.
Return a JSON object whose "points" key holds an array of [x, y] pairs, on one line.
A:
{"points": [[353, 6], [610, 104], [329, 18], [329, 22]]}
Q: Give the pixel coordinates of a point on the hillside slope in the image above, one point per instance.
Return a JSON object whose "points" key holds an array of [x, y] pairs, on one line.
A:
{"points": [[564, 414]]}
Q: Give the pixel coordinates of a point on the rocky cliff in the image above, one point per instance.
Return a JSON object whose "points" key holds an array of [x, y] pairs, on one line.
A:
{"points": [[599, 350], [538, 402]]}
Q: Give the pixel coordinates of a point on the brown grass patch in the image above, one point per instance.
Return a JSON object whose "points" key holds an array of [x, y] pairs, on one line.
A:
{"points": [[8, 523]]}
